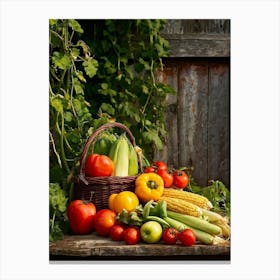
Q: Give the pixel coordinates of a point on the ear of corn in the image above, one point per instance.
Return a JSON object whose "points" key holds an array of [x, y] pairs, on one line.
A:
{"points": [[195, 222], [181, 206], [119, 153], [133, 161], [196, 199], [224, 227], [212, 216]]}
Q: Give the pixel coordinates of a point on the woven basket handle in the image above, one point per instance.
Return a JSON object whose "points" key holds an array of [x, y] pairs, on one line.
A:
{"points": [[93, 136]]}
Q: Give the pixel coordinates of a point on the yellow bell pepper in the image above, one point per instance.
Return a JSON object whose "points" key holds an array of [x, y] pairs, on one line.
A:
{"points": [[149, 186]]}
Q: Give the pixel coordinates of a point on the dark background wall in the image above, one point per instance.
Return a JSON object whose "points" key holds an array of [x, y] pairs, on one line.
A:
{"points": [[198, 116]]}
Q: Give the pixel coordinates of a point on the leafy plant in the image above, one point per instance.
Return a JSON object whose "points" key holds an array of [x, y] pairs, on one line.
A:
{"points": [[71, 64], [100, 71], [129, 54], [57, 202]]}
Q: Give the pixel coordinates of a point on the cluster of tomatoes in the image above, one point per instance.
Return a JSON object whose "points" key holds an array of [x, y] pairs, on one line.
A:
{"points": [[84, 219], [176, 178], [170, 236]]}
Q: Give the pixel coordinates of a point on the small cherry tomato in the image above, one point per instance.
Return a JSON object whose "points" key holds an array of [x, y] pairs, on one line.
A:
{"points": [[167, 178], [116, 232], [187, 237], [160, 165], [131, 235], [170, 236], [149, 169], [180, 179]]}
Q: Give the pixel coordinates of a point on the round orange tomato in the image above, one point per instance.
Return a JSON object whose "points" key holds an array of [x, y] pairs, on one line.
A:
{"points": [[125, 200], [98, 165], [104, 220]]}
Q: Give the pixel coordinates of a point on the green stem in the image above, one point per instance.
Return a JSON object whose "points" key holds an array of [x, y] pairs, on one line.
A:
{"points": [[53, 220], [55, 151], [63, 157]]}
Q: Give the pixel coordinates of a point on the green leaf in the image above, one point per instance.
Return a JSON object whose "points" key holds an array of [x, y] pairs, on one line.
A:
{"points": [[81, 76], [145, 89], [108, 108], [104, 86], [75, 26], [75, 53], [73, 137], [57, 197], [57, 104], [90, 66], [61, 61], [68, 116], [145, 64], [152, 136], [78, 86], [52, 22], [77, 105]]}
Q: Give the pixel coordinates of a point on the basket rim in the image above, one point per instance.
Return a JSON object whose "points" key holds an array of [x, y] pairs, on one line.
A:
{"points": [[85, 179]]}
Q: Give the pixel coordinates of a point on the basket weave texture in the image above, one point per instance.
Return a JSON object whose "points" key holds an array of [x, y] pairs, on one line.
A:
{"points": [[98, 189]]}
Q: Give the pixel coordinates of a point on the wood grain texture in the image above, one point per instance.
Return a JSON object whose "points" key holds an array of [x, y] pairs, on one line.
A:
{"points": [[171, 150], [218, 122], [198, 38], [95, 246], [198, 118], [192, 116]]}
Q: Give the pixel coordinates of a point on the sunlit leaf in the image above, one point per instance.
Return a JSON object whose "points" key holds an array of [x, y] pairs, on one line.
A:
{"points": [[61, 61], [90, 66], [75, 26]]}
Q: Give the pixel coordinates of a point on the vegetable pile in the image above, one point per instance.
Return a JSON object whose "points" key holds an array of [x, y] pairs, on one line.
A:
{"points": [[163, 208]]}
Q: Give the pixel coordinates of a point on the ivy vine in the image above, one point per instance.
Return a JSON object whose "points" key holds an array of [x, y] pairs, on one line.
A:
{"points": [[101, 70]]}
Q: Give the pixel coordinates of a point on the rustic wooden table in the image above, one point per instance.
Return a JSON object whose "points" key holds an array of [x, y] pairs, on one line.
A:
{"points": [[94, 247]]}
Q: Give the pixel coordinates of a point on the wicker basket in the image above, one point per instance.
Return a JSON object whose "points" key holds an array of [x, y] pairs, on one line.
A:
{"points": [[98, 189]]}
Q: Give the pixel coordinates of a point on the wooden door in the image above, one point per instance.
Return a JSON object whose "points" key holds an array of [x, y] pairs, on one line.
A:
{"points": [[198, 117]]}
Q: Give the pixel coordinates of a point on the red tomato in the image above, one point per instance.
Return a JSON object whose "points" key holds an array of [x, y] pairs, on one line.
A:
{"points": [[81, 216], [167, 178], [116, 232], [104, 220], [131, 235], [149, 169], [187, 237], [160, 165], [170, 236], [98, 165], [180, 179]]}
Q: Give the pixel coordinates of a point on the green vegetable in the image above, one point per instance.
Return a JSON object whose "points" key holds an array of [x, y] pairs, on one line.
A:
{"points": [[201, 236], [160, 209], [162, 222], [195, 222], [119, 154], [104, 143]]}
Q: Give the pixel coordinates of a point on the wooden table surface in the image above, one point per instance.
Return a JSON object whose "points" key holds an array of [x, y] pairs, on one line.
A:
{"points": [[94, 247]]}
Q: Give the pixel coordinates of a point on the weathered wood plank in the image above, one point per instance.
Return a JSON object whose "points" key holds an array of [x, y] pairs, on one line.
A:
{"points": [[96, 246], [218, 122], [198, 38], [198, 26], [170, 152], [192, 117], [199, 48]]}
